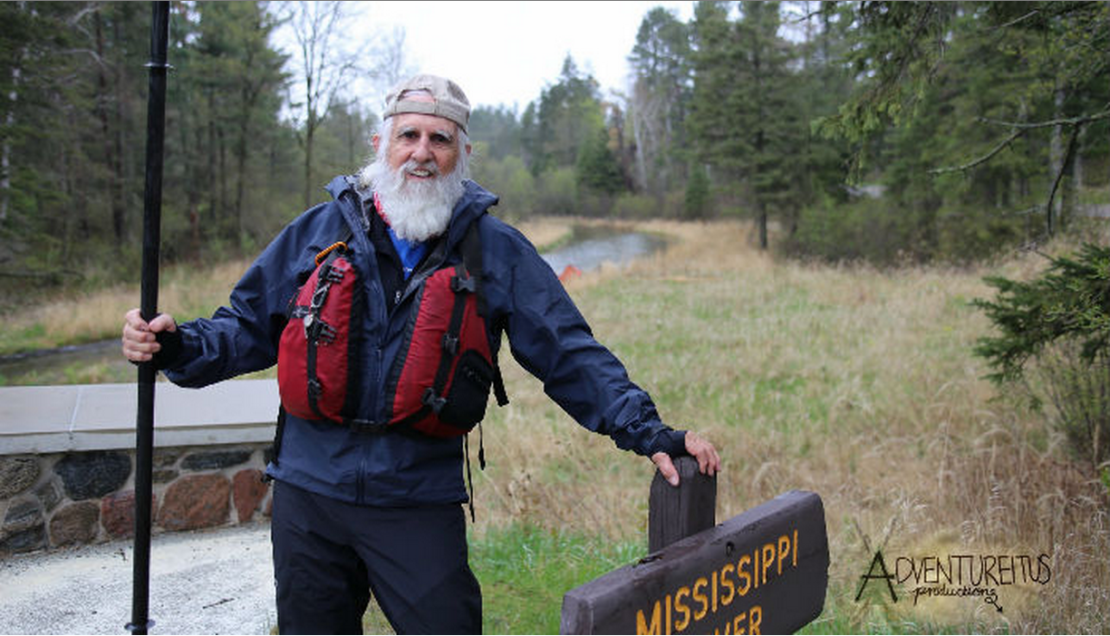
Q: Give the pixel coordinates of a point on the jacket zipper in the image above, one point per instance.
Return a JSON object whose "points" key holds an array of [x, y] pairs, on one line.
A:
{"points": [[376, 292]]}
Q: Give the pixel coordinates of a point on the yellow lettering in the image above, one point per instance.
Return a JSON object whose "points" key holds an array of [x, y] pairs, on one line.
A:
{"points": [[768, 556], [641, 625], [795, 546], [727, 582], [701, 598], [755, 618], [743, 576], [737, 622], [681, 608], [784, 551], [667, 624], [713, 594], [755, 567]]}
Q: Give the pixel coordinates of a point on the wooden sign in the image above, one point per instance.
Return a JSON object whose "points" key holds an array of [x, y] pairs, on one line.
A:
{"points": [[763, 571]]}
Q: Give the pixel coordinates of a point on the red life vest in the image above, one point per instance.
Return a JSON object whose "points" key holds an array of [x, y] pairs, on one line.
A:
{"points": [[440, 381], [314, 377]]}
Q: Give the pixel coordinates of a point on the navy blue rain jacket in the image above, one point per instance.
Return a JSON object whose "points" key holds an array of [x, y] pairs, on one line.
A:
{"points": [[547, 336]]}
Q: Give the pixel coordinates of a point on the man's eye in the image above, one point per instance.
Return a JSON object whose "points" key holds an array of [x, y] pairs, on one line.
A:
{"points": [[441, 139], [408, 134]]}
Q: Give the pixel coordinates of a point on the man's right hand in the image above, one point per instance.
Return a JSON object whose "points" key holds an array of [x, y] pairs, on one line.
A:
{"points": [[139, 344]]}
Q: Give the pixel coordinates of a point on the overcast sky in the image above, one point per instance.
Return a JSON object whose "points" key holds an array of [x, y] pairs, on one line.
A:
{"points": [[505, 53]]}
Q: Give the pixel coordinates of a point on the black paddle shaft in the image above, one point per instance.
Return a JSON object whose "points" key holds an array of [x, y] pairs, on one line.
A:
{"points": [[152, 221]]}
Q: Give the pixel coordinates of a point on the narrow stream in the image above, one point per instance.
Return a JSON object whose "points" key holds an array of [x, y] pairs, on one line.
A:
{"points": [[95, 362], [589, 247]]}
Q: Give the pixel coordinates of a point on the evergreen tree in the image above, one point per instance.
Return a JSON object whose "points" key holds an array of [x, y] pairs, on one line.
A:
{"points": [[597, 168], [567, 115], [742, 113], [1070, 299], [238, 73], [661, 63], [997, 95], [497, 129], [696, 201], [1056, 328]]}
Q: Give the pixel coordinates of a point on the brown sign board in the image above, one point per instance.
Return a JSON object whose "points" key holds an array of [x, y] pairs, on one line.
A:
{"points": [[763, 571]]}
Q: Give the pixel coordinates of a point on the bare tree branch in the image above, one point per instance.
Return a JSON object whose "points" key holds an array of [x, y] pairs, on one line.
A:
{"points": [[1070, 121], [985, 158], [1019, 129], [1050, 225], [319, 33], [1016, 20]]}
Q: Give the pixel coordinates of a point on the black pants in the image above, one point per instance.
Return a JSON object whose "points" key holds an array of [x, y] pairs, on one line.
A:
{"points": [[329, 556]]}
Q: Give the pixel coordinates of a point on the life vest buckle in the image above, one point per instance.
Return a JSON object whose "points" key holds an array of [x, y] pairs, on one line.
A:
{"points": [[365, 426], [451, 344], [459, 284], [433, 401]]}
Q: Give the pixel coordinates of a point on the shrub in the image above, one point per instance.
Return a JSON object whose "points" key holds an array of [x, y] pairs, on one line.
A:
{"points": [[868, 230], [1078, 393], [636, 206], [1059, 322], [557, 192]]}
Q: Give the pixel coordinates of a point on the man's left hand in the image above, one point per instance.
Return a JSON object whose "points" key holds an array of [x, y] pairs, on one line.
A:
{"points": [[709, 462]]}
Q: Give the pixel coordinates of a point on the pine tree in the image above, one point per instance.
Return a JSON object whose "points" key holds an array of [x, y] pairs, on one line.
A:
{"points": [[743, 113], [597, 168], [1070, 299], [661, 92]]}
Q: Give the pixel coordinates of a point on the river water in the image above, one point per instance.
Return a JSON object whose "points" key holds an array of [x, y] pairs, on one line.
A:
{"points": [[588, 249]]}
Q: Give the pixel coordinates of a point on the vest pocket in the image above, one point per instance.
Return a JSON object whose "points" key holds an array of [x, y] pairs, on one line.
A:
{"points": [[469, 391]]}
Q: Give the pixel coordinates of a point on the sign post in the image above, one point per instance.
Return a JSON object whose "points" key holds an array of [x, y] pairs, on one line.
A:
{"points": [[676, 513], [763, 571]]}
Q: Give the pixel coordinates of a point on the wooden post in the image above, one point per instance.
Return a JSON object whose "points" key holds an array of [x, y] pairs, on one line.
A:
{"points": [[676, 512]]}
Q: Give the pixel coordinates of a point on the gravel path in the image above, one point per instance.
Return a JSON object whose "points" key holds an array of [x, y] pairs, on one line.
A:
{"points": [[209, 582]]}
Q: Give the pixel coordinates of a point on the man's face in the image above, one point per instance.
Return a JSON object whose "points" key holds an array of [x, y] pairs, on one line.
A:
{"points": [[423, 140]]}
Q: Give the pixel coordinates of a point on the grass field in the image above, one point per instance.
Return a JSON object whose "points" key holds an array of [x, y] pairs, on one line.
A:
{"points": [[853, 383], [856, 384]]}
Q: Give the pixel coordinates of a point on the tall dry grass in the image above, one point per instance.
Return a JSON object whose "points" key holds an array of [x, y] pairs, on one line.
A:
{"points": [[185, 291], [857, 384]]}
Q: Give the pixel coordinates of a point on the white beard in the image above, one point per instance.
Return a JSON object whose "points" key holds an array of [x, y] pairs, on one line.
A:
{"points": [[416, 210]]}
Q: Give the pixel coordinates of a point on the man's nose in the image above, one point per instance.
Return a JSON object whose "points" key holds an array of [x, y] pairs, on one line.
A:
{"points": [[423, 150]]}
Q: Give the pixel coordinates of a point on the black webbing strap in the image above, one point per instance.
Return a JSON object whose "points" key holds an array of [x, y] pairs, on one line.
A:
{"points": [[276, 448], [323, 262], [314, 330], [450, 343], [469, 478], [472, 258]]}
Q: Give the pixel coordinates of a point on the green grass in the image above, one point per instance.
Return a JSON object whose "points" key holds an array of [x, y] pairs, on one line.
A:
{"points": [[524, 572]]}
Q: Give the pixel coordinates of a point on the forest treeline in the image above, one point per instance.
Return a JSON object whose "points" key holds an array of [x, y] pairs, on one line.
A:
{"points": [[887, 131]]}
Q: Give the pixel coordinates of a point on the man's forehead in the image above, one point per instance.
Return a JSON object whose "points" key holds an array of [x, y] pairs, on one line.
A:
{"points": [[414, 121]]}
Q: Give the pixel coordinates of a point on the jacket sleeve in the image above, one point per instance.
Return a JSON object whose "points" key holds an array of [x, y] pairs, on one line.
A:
{"points": [[549, 337], [242, 336]]}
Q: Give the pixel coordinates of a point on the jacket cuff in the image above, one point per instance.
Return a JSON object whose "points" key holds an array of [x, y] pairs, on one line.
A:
{"points": [[671, 442], [172, 345]]}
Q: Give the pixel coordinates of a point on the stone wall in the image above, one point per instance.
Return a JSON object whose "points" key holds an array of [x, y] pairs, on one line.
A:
{"points": [[58, 499]]}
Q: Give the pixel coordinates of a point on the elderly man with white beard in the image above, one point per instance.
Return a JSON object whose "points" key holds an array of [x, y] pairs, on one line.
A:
{"points": [[384, 310]]}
